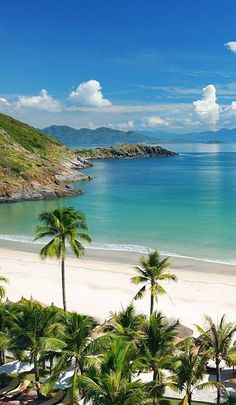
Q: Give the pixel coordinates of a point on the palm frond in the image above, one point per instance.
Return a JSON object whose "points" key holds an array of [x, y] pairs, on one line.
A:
{"points": [[140, 293]]}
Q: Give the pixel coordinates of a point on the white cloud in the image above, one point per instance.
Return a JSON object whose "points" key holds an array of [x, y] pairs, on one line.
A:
{"points": [[89, 94], [231, 46], [4, 103], [43, 102], [126, 126], [207, 109], [155, 121]]}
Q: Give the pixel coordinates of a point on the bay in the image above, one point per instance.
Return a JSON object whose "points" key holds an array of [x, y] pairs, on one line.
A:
{"points": [[183, 205]]}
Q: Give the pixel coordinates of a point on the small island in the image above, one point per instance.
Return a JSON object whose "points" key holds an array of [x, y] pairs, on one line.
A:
{"points": [[125, 152]]}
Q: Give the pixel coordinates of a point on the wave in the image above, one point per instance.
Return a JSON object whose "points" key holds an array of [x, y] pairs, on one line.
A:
{"points": [[122, 248]]}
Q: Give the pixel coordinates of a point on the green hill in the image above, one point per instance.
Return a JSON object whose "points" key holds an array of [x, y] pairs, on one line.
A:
{"points": [[84, 137], [33, 165]]}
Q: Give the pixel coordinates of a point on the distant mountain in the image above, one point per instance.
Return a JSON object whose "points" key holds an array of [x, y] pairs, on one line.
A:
{"points": [[34, 166], [84, 137], [223, 135]]}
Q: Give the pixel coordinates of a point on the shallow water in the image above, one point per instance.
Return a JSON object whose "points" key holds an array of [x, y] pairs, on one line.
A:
{"points": [[183, 205]]}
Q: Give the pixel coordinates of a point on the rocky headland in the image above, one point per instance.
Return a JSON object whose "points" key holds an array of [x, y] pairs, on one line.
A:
{"points": [[126, 152]]}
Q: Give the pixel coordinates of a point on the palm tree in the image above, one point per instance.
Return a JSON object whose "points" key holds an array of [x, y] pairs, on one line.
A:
{"points": [[151, 274], [189, 369], [158, 343], [33, 330], [79, 336], [63, 225], [81, 344], [111, 383], [126, 324], [5, 280], [218, 337]]}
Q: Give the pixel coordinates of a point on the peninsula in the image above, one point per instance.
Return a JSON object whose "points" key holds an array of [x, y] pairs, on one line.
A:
{"points": [[125, 152]]}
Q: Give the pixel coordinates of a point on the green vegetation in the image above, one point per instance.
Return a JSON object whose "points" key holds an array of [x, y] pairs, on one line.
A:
{"points": [[129, 359], [29, 160], [125, 152], [108, 361], [64, 225], [151, 274], [189, 369], [26, 136], [218, 338]]}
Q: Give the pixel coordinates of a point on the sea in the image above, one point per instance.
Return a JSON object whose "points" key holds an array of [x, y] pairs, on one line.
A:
{"points": [[185, 206]]}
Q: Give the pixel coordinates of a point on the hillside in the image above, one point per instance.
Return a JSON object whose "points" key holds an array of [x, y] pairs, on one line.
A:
{"points": [[32, 165], [125, 152], [84, 137]]}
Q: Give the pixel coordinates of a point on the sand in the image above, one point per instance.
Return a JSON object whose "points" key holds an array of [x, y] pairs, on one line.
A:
{"points": [[100, 283]]}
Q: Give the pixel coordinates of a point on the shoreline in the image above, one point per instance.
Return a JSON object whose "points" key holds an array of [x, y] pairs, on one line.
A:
{"points": [[99, 283], [131, 257]]}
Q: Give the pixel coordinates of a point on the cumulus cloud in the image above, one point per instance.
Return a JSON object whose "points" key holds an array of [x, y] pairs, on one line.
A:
{"points": [[89, 94], [43, 102], [231, 46], [155, 121], [207, 109]]}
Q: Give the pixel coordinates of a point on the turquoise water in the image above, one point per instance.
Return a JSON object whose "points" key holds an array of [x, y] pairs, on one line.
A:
{"points": [[183, 205]]}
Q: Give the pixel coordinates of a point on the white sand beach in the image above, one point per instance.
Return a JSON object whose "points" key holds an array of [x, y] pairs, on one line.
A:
{"points": [[98, 286]]}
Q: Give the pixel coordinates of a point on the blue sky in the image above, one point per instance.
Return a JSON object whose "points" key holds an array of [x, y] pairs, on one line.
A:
{"points": [[125, 64]]}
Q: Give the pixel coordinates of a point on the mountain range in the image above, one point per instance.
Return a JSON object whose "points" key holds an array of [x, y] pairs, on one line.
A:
{"points": [[223, 135], [84, 137]]}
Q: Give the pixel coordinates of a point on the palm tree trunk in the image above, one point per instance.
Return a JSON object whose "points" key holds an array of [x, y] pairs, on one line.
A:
{"points": [[36, 376], [151, 304], [190, 399], [154, 378], [51, 364], [2, 357], [218, 379], [63, 277]]}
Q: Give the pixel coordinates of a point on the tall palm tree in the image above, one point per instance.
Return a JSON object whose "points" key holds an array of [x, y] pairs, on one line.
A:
{"points": [[33, 332], [150, 274], [218, 337], [63, 225], [189, 369], [111, 383]]}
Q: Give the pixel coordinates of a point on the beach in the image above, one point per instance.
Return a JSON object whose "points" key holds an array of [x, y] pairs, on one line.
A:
{"points": [[99, 283]]}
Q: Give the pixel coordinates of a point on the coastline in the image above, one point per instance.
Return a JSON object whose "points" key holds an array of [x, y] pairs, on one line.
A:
{"points": [[99, 283]]}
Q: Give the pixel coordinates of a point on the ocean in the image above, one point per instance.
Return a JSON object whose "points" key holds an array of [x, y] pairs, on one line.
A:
{"points": [[185, 206]]}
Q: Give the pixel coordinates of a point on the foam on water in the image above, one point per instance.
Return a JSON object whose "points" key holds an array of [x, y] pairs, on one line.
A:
{"points": [[122, 248]]}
